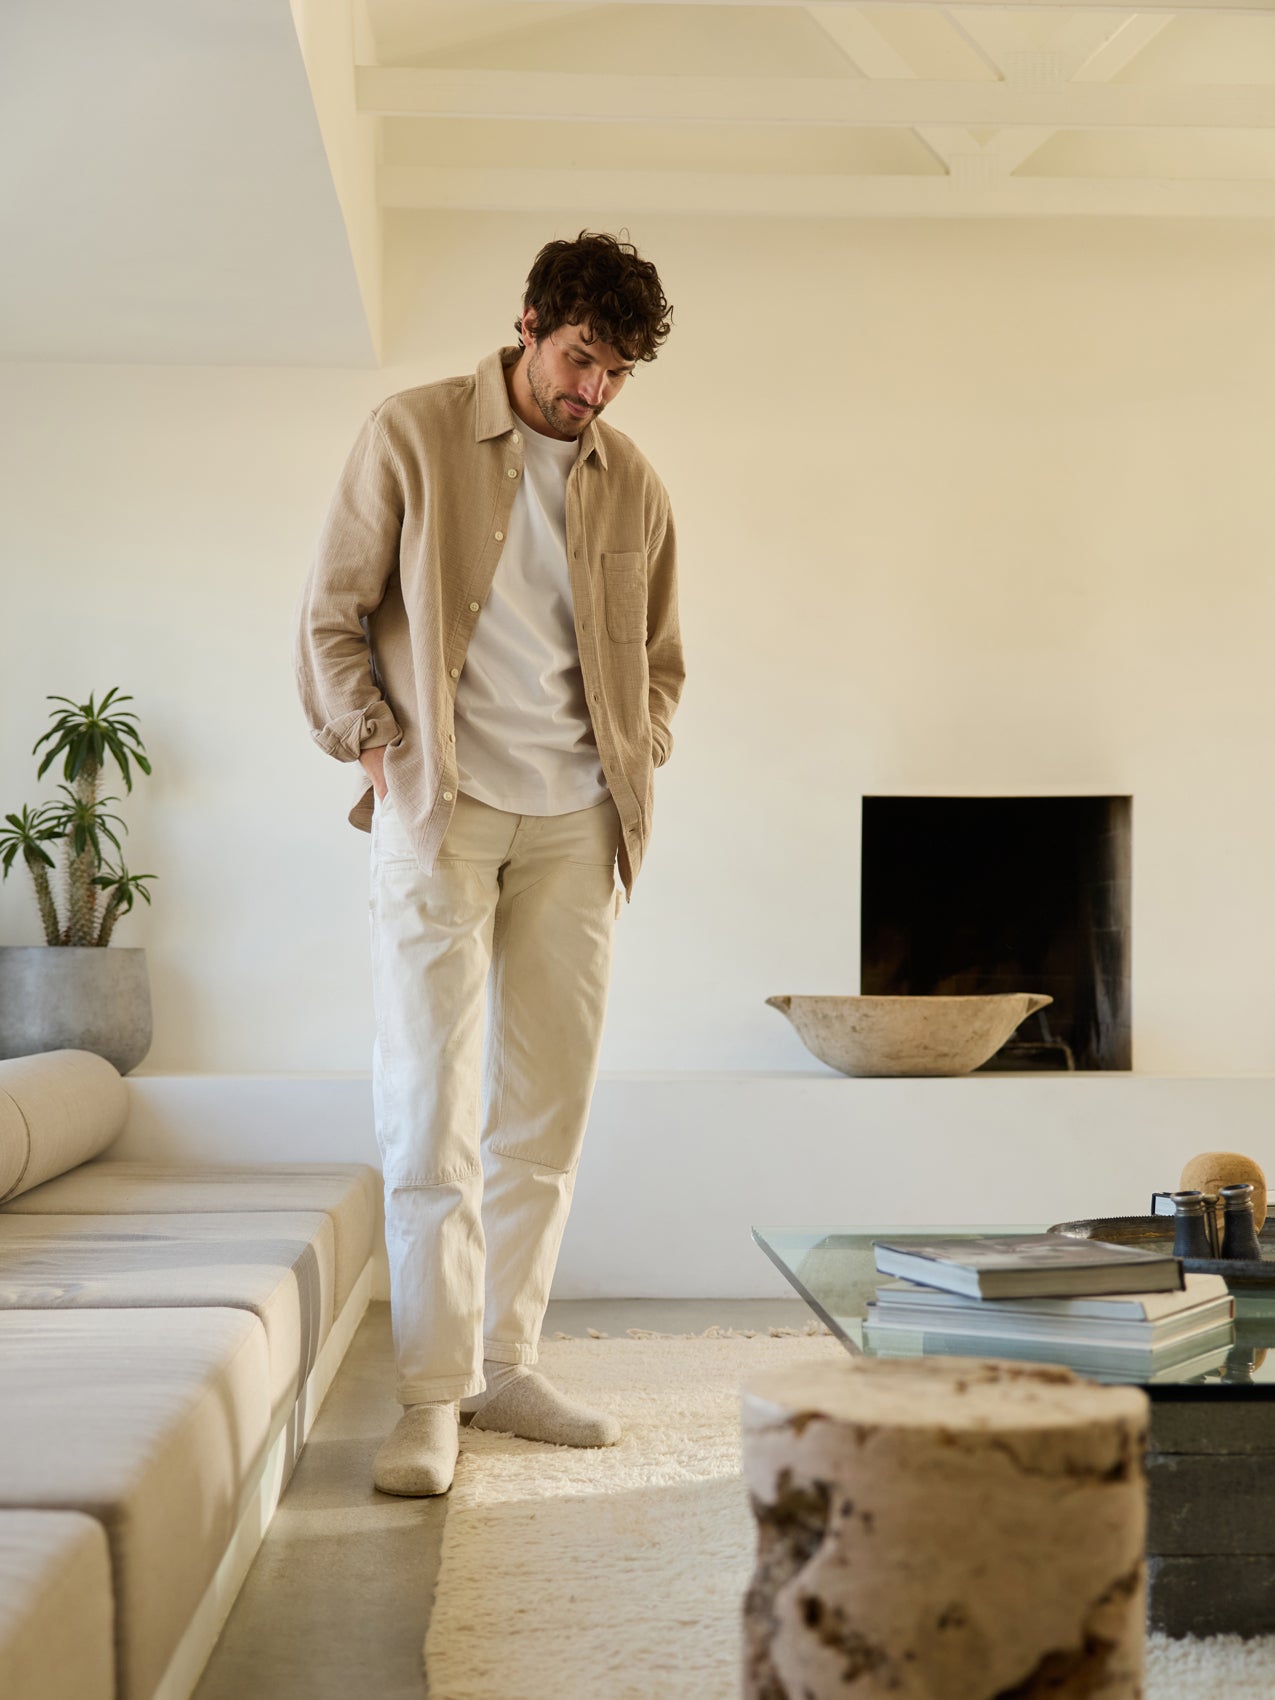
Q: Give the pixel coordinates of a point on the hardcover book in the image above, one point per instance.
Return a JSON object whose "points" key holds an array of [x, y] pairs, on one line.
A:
{"points": [[991, 1266], [1188, 1360], [1142, 1322], [1151, 1312]]}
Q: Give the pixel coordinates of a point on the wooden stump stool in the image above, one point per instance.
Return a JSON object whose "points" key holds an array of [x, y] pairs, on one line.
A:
{"points": [[944, 1529]]}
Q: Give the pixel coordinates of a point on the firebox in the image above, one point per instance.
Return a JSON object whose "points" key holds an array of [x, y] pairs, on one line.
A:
{"points": [[1007, 894]]}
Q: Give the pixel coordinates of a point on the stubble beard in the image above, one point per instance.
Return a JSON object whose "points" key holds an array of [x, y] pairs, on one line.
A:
{"points": [[556, 416]]}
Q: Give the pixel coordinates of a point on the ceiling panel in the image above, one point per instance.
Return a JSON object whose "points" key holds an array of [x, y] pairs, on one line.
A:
{"points": [[166, 196]]}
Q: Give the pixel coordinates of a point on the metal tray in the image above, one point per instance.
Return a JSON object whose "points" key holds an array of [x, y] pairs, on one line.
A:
{"points": [[1155, 1233]]}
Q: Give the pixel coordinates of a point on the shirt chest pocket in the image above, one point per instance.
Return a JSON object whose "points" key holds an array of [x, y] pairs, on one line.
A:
{"points": [[624, 579]]}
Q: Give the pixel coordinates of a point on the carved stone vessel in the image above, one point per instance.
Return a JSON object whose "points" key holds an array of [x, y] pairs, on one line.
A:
{"points": [[889, 1036]]}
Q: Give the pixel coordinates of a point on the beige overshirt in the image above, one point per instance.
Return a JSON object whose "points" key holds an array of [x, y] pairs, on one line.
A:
{"points": [[405, 562]]}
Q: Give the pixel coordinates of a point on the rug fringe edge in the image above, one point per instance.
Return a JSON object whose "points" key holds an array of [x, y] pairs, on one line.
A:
{"points": [[812, 1330]]}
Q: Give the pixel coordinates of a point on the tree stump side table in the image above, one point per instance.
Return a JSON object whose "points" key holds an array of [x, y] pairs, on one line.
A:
{"points": [[944, 1529]]}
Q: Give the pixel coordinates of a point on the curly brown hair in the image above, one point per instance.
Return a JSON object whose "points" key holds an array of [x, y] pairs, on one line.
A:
{"points": [[599, 281]]}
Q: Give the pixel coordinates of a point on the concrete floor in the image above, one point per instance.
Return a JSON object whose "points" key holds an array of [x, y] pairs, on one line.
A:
{"points": [[338, 1600]]}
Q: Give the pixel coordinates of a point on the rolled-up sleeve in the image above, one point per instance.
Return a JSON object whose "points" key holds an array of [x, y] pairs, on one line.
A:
{"points": [[356, 555]]}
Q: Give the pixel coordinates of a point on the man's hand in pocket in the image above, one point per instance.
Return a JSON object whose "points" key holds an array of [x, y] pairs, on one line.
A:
{"points": [[374, 762]]}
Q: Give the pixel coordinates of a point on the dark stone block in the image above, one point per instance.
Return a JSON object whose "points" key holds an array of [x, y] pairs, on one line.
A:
{"points": [[1211, 1595], [1211, 1503], [1212, 1425]]}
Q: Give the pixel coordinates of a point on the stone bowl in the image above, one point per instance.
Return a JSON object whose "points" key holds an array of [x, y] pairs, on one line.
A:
{"points": [[867, 1036]]}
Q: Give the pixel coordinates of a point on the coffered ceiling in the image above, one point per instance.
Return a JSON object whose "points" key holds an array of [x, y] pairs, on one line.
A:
{"points": [[831, 110], [207, 181]]}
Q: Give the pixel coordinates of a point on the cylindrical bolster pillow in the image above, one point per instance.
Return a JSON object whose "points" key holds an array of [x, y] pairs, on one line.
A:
{"points": [[57, 1110]]}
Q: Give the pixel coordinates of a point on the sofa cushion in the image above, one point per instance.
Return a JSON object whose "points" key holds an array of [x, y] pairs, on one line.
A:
{"points": [[347, 1192], [56, 1110], [279, 1266], [56, 1614], [156, 1423]]}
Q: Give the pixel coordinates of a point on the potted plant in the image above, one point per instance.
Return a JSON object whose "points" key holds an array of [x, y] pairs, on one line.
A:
{"points": [[71, 991]]}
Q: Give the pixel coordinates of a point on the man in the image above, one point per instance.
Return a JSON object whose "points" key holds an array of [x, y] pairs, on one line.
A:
{"points": [[490, 628]]}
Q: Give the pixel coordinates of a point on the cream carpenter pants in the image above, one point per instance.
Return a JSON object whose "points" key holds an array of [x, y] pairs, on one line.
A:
{"points": [[480, 1163]]}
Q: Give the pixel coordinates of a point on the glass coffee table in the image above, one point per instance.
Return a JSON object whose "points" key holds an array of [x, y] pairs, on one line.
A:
{"points": [[1210, 1451], [834, 1271]]}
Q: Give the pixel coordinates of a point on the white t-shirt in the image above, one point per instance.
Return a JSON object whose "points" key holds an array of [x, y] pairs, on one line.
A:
{"points": [[524, 741]]}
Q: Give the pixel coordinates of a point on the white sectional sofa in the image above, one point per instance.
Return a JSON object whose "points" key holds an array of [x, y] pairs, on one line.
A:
{"points": [[167, 1337], [56, 1631]]}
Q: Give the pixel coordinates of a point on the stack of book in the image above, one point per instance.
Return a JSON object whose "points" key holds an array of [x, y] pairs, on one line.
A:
{"points": [[1111, 1312]]}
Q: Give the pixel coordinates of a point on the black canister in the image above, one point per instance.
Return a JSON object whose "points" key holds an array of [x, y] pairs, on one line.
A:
{"points": [[1239, 1232], [1190, 1226], [1241, 1361]]}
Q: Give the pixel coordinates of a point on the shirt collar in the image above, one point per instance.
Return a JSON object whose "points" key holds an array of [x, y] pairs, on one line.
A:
{"points": [[495, 418]]}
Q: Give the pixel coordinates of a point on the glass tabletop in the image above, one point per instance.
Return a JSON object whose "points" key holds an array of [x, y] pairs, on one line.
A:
{"points": [[834, 1271]]}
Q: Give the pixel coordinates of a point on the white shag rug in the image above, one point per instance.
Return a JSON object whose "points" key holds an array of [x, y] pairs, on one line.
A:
{"points": [[619, 1573]]}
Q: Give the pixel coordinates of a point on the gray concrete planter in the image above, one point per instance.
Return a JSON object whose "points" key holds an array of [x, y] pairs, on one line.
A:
{"points": [[58, 997]]}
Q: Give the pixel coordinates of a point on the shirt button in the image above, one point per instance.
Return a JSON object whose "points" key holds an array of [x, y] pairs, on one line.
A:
{"points": [[473, 607], [451, 737], [512, 473], [597, 697], [455, 672], [447, 796], [500, 537], [516, 438]]}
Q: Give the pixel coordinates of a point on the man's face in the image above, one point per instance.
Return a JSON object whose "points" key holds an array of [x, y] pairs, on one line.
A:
{"points": [[572, 376]]}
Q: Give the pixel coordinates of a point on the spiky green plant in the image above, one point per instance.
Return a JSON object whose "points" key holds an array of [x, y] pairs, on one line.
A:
{"points": [[27, 833], [121, 889], [82, 825], [88, 736]]}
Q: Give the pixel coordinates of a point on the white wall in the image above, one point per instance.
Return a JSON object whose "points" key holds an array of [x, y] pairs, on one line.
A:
{"points": [[679, 1167], [963, 508]]}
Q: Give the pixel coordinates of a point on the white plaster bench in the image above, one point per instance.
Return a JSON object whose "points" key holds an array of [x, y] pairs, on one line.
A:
{"points": [[167, 1337]]}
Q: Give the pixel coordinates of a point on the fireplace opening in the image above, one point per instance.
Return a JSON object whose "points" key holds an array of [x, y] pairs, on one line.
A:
{"points": [[1007, 894]]}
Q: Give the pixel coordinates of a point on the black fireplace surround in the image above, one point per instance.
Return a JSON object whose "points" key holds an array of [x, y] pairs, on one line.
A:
{"points": [[1007, 894]]}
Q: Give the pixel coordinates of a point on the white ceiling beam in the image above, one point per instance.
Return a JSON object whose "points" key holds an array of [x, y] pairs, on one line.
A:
{"points": [[1244, 8], [1098, 47], [1003, 24], [1116, 49], [390, 91], [812, 195], [863, 45], [1119, 49]]}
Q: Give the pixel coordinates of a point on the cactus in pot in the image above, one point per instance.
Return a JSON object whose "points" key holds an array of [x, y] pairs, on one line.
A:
{"points": [[78, 994], [87, 736]]}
